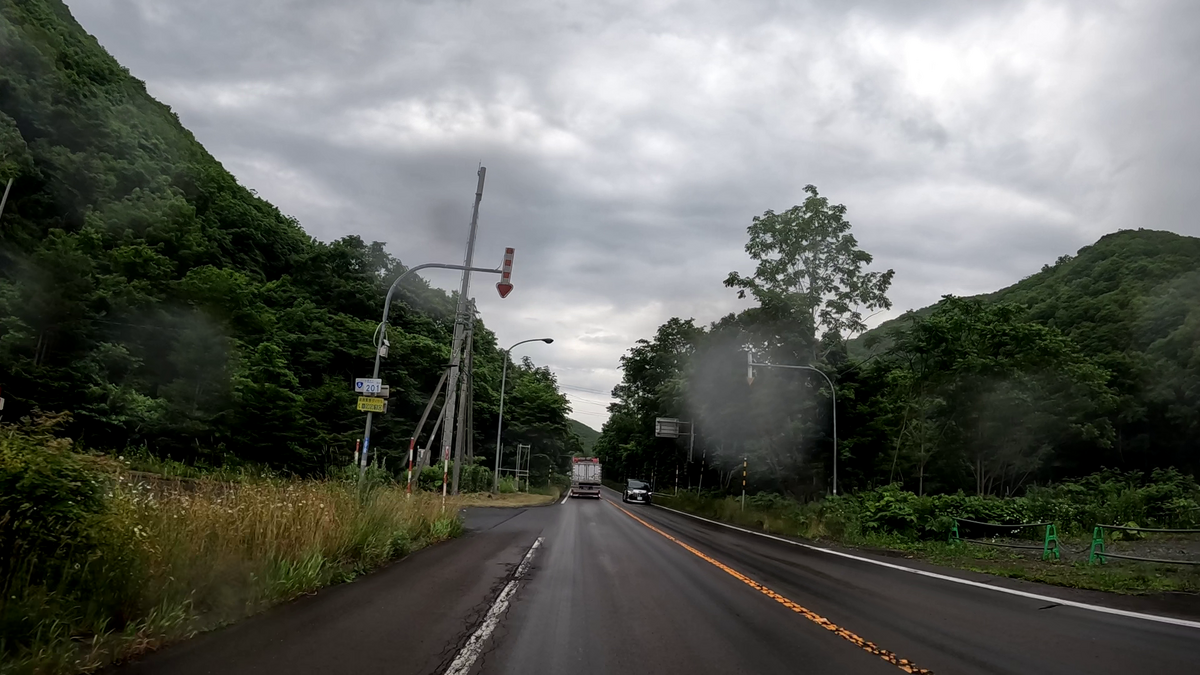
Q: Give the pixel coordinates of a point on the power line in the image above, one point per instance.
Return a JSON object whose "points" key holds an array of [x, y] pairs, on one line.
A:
{"points": [[590, 391], [588, 400]]}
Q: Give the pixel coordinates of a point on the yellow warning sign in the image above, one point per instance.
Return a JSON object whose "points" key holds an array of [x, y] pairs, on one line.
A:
{"points": [[371, 404]]}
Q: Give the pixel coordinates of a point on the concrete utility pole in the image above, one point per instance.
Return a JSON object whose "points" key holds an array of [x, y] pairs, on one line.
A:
{"points": [[456, 346], [470, 434], [465, 404]]}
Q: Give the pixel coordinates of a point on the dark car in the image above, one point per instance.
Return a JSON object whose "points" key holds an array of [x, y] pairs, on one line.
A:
{"points": [[637, 491]]}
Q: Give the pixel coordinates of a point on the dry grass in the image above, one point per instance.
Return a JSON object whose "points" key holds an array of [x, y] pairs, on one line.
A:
{"points": [[178, 558]]}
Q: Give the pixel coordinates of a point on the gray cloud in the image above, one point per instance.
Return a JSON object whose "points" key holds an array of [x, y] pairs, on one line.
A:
{"points": [[628, 144]]}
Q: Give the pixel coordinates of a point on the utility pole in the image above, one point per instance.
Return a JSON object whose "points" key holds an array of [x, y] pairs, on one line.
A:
{"points": [[470, 450], [456, 346], [469, 438], [465, 404]]}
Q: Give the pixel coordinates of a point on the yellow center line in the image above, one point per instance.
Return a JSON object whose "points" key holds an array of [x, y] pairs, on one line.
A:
{"points": [[903, 664]]}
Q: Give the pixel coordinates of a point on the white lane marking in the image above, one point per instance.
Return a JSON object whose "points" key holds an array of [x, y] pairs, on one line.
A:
{"points": [[966, 582], [564, 501], [470, 652]]}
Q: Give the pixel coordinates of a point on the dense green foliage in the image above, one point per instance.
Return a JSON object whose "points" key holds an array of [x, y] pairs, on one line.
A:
{"points": [[1165, 499], [165, 305], [1094, 362]]}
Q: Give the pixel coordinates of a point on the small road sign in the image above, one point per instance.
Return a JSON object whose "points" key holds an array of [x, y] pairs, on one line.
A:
{"points": [[666, 427], [504, 286], [368, 385], [372, 404]]}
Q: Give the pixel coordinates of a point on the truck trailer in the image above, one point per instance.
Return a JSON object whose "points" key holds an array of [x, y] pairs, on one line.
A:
{"points": [[585, 477]]}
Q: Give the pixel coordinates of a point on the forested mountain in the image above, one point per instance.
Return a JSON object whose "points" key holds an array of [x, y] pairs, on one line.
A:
{"points": [[1093, 362], [1131, 301], [587, 435], [166, 306]]}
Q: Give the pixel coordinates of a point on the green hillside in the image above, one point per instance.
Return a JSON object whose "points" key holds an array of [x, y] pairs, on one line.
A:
{"points": [[168, 308], [1131, 301], [586, 434]]}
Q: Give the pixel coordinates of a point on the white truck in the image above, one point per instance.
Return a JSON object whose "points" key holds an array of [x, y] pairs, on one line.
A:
{"points": [[585, 477]]}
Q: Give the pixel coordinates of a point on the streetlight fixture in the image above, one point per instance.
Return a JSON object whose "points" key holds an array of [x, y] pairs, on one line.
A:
{"points": [[751, 364], [500, 416]]}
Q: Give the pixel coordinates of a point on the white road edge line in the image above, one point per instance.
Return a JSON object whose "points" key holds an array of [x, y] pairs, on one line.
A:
{"points": [[966, 582], [564, 501], [470, 652]]}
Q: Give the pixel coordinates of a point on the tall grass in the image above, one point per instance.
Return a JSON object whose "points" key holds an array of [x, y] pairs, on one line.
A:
{"points": [[156, 560]]}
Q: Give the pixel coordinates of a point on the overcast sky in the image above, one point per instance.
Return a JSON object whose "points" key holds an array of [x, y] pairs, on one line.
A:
{"points": [[628, 144]]}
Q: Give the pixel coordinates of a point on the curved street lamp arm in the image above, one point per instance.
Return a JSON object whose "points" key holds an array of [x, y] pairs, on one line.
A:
{"points": [[381, 331], [500, 412], [833, 397]]}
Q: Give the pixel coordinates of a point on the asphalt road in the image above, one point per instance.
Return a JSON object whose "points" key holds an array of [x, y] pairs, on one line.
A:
{"points": [[631, 589]]}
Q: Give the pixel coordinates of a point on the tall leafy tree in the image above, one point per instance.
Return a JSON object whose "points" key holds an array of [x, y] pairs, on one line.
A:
{"points": [[810, 273]]}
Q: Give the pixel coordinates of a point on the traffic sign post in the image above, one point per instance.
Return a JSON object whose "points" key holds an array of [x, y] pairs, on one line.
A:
{"points": [[504, 286]]}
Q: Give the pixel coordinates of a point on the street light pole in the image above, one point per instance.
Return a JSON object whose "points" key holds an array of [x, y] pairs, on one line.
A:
{"points": [[500, 416], [832, 394]]}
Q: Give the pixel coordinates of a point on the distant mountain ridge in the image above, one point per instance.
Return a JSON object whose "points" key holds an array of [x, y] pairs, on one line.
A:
{"points": [[1137, 261]]}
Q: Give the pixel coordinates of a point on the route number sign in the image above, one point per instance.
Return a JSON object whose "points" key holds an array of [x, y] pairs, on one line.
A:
{"points": [[368, 385]]}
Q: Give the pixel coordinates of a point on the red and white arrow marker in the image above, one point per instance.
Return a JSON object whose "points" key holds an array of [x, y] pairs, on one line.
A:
{"points": [[504, 286]]}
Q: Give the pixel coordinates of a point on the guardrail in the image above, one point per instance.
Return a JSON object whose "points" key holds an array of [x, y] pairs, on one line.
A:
{"points": [[1049, 545], [1098, 551]]}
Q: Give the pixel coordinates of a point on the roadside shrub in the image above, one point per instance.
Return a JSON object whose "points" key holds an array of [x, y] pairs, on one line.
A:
{"points": [[768, 500], [473, 478], [430, 479], [48, 498], [1165, 498]]}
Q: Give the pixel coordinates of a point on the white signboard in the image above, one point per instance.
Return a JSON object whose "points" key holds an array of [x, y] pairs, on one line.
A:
{"points": [[368, 385], [666, 427]]}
